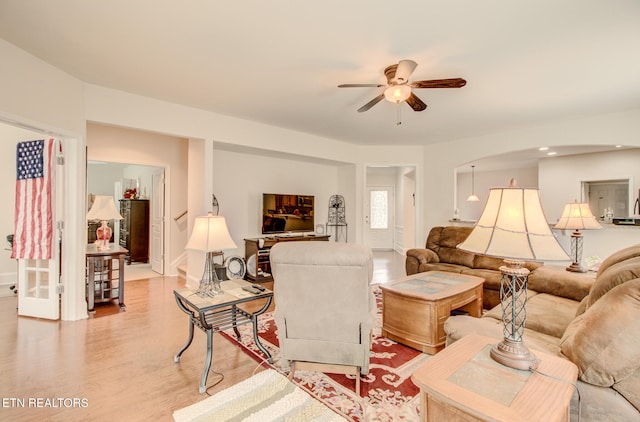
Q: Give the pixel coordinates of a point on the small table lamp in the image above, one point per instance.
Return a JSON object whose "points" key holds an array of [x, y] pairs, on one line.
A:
{"points": [[513, 226], [103, 209], [577, 216], [211, 235]]}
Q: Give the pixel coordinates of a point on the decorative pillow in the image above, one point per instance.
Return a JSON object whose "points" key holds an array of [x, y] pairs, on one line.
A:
{"points": [[604, 342], [613, 276]]}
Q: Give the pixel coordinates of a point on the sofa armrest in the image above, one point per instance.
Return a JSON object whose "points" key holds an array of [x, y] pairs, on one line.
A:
{"points": [[424, 256], [417, 257]]}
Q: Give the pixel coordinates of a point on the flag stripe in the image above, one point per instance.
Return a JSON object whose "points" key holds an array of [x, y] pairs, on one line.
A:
{"points": [[35, 184]]}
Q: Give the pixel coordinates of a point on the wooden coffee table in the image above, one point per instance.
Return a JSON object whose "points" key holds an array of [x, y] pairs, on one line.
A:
{"points": [[415, 308], [463, 383]]}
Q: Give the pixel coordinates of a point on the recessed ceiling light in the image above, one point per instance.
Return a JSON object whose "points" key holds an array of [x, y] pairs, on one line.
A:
{"points": [[618, 146], [543, 148], [551, 153]]}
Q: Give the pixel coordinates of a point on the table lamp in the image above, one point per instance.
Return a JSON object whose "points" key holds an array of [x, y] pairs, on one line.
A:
{"points": [[211, 235], [103, 209], [513, 226], [577, 216]]}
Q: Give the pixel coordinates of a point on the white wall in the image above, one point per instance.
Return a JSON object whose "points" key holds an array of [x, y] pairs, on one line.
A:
{"points": [[408, 188], [39, 96], [561, 178], [526, 177], [240, 179]]}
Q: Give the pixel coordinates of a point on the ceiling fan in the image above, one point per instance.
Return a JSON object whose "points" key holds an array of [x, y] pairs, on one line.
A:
{"points": [[398, 88]]}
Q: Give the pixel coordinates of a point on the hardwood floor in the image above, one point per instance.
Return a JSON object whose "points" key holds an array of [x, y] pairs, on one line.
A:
{"points": [[119, 365]]}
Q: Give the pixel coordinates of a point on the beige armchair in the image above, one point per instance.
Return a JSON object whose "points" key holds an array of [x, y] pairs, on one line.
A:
{"points": [[324, 306]]}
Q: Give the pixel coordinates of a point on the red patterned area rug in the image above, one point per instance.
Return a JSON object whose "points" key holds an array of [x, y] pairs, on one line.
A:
{"points": [[386, 393]]}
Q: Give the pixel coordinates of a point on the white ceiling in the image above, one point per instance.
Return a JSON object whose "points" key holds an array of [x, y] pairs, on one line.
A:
{"points": [[279, 62]]}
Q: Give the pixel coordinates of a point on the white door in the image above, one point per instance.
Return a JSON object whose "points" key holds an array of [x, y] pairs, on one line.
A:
{"points": [[37, 290], [37, 196], [157, 221], [380, 216]]}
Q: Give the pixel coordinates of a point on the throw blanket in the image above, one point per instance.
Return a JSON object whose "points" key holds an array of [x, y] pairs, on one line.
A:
{"points": [[267, 396]]}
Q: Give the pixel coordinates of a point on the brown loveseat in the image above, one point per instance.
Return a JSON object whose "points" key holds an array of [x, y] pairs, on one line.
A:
{"points": [[600, 334], [441, 254]]}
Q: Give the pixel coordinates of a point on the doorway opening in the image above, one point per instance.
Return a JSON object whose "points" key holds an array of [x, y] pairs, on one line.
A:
{"points": [[114, 179], [389, 208]]}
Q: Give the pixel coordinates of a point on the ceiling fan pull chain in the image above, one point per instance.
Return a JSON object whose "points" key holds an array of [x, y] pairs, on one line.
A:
{"points": [[399, 119]]}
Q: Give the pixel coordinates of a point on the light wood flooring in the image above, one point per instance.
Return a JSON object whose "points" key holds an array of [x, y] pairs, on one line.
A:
{"points": [[120, 364]]}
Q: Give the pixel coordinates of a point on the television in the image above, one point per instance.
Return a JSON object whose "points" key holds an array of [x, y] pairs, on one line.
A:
{"points": [[284, 213]]}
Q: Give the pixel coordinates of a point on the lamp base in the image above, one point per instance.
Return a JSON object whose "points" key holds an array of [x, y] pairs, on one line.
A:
{"points": [[514, 354], [511, 351], [209, 283], [576, 253], [103, 235], [576, 268]]}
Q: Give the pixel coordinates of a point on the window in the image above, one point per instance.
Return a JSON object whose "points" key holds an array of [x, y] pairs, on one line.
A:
{"points": [[379, 212]]}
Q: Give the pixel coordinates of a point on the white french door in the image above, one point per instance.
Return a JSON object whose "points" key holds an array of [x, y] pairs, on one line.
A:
{"points": [[39, 279], [380, 216], [38, 288]]}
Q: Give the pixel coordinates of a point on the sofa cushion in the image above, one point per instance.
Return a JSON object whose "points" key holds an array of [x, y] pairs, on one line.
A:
{"points": [[488, 262], [443, 240], [496, 311], [550, 314], [556, 280], [604, 342], [459, 326], [456, 256], [452, 236], [619, 256], [613, 276], [441, 266], [630, 388], [491, 277]]}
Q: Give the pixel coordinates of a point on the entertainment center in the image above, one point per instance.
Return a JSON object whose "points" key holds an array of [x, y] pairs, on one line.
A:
{"points": [[257, 251]]}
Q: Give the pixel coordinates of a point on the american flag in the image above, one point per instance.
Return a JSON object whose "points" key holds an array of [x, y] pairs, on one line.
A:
{"points": [[35, 194]]}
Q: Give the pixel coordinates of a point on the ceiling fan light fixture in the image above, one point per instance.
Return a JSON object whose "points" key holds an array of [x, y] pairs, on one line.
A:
{"points": [[397, 93]]}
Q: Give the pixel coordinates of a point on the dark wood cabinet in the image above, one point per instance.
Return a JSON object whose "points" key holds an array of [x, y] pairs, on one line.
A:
{"points": [[134, 229], [256, 253]]}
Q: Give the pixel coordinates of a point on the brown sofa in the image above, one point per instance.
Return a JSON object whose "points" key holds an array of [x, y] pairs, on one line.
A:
{"points": [[441, 254], [600, 333]]}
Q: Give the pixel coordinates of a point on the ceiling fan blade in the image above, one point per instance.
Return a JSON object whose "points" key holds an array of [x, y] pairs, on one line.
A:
{"points": [[416, 103], [440, 83], [360, 86], [371, 103], [390, 72], [404, 70]]}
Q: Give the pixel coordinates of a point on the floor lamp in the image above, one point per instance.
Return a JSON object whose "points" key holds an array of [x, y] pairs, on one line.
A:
{"points": [[210, 235], [577, 216], [513, 226]]}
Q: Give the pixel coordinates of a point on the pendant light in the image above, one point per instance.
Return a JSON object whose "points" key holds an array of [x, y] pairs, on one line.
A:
{"points": [[473, 197]]}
